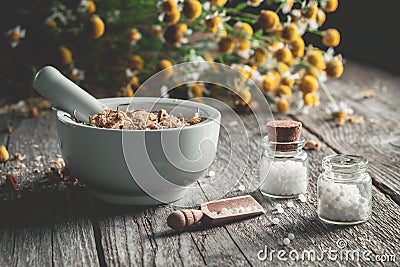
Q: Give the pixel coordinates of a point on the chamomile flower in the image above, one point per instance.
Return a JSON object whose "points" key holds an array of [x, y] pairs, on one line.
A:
{"points": [[135, 62], [244, 48], [77, 75], [331, 38], [166, 5], [243, 29], [289, 32], [195, 90], [334, 67], [218, 2], [214, 22], [15, 35], [134, 36], [329, 5], [192, 9], [66, 55], [165, 64], [339, 111], [268, 20], [174, 34], [226, 44], [96, 26], [254, 3], [157, 30], [87, 6], [282, 105], [287, 6]]}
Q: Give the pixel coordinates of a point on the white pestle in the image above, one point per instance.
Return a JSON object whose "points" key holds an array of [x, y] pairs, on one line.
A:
{"points": [[65, 94]]}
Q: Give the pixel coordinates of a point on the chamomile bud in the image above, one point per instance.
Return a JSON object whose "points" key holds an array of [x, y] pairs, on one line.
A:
{"points": [[282, 105], [334, 68], [331, 38], [268, 20], [192, 9]]}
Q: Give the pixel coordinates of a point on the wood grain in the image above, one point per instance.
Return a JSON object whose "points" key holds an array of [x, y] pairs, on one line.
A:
{"points": [[251, 235], [378, 139], [42, 228], [46, 226]]}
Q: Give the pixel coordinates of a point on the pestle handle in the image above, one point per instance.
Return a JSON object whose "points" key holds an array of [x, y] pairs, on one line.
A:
{"points": [[65, 94]]}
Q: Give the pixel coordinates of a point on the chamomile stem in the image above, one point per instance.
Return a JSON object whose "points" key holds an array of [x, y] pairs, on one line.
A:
{"points": [[327, 93]]}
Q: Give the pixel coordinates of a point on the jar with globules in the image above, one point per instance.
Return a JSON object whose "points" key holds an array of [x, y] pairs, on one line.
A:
{"points": [[344, 190], [284, 168]]}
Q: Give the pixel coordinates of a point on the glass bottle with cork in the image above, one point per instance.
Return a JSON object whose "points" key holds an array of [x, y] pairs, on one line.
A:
{"points": [[284, 164]]}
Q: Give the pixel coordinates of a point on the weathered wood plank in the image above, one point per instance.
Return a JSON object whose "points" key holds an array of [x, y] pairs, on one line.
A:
{"points": [[379, 234], [43, 228], [378, 139], [141, 237]]}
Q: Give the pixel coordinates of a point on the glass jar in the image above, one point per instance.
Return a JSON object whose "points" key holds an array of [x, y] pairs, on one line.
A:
{"points": [[284, 169], [344, 190]]}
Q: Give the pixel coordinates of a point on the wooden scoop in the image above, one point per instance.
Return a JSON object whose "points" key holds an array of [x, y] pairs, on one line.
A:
{"points": [[65, 94], [210, 212]]}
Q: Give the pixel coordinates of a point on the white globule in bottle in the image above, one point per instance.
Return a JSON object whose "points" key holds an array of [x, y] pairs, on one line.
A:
{"points": [[344, 190], [285, 173]]}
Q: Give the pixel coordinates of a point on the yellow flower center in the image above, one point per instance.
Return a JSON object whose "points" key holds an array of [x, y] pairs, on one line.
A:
{"points": [[331, 38], [66, 55], [135, 62], [243, 28], [165, 64], [276, 73], [308, 84], [129, 91], [212, 24], [268, 20], [168, 5], [226, 44], [134, 35], [134, 81], [284, 90], [4, 155], [310, 12], [321, 17], [297, 47], [259, 57], [157, 31], [284, 55], [316, 59], [91, 8], [174, 33], [289, 32], [287, 81], [244, 45], [334, 68], [52, 23], [339, 115], [15, 36], [218, 2], [192, 9], [172, 17], [197, 90], [97, 26], [282, 67], [312, 71], [282, 105], [245, 96], [268, 83], [331, 5], [310, 99]]}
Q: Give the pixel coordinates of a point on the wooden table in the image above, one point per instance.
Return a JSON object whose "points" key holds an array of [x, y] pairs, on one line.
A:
{"points": [[47, 223]]}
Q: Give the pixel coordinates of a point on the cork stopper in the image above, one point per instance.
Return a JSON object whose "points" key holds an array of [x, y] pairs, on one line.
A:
{"points": [[284, 131]]}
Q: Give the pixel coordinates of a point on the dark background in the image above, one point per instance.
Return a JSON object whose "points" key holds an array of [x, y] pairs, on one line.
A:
{"points": [[370, 31], [369, 34]]}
